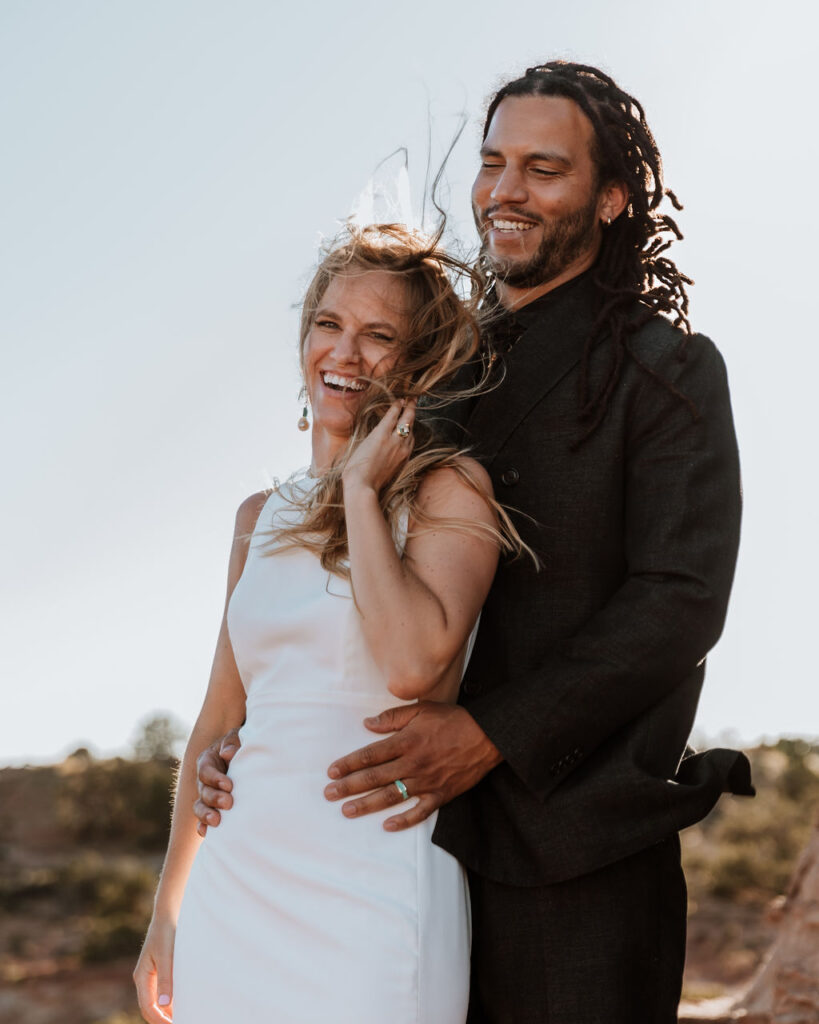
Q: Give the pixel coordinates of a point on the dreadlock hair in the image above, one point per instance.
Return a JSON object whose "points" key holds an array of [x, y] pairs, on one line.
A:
{"points": [[632, 268]]}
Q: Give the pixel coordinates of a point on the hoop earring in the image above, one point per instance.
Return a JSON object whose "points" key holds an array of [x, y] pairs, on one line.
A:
{"points": [[303, 423]]}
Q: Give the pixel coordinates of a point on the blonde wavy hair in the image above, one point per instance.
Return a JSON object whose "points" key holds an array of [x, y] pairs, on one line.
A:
{"points": [[442, 336]]}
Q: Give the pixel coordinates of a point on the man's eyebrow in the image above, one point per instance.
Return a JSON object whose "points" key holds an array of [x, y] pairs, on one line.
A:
{"points": [[550, 158], [545, 156]]}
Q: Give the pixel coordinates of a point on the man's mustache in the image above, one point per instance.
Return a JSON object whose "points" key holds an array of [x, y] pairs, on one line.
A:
{"points": [[490, 211]]}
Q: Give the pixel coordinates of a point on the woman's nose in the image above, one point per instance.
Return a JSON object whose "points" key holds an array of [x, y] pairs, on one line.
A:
{"points": [[346, 349]]}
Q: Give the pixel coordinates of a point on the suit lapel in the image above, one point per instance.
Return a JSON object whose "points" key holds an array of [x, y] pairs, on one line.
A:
{"points": [[550, 347]]}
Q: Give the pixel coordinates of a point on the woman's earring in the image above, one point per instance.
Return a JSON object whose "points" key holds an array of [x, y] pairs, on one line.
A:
{"points": [[303, 423]]}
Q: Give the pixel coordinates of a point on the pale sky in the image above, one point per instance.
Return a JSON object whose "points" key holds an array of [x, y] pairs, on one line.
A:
{"points": [[167, 170]]}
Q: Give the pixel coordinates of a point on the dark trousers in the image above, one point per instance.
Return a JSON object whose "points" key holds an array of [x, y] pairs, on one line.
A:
{"points": [[607, 948]]}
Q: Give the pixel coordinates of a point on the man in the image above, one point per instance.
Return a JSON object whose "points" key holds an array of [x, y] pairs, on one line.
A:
{"points": [[561, 777]]}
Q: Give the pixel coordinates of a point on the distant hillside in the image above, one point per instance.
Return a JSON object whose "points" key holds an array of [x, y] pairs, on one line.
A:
{"points": [[80, 847], [81, 843]]}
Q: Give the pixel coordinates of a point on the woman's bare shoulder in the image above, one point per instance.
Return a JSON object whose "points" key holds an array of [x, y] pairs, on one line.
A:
{"points": [[249, 511], [450, 486]]}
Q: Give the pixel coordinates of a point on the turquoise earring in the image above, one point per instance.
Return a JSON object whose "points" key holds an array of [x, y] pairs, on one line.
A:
{"points": [[303, 423]]}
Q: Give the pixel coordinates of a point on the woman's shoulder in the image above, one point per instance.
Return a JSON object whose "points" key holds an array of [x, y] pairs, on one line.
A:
{"points": [[248, 513], [464, 481]]}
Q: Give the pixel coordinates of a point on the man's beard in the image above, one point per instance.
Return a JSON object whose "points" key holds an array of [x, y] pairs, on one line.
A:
{"points": [[564, 241]]}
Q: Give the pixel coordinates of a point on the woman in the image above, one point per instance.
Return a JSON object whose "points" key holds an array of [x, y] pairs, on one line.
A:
{"points": [[365, 576]]}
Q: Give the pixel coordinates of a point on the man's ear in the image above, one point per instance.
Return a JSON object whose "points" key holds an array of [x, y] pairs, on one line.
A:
{"points": [[612, 201]]}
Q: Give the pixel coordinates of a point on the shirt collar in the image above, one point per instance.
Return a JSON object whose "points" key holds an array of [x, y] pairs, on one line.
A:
{"points": [[505, 326]]}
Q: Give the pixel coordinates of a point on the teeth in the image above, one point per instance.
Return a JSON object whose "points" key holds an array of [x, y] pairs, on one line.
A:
{"points": [[342, 382], [511, 225]]}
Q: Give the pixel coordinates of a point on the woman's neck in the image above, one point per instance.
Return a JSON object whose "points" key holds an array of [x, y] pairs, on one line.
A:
{"points": [[326, 448]]}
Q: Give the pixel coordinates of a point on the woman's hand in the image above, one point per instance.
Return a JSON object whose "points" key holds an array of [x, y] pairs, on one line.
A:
{"points": [[382, 453], [153, 974]]}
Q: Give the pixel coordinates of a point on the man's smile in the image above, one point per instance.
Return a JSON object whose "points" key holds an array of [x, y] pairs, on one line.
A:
{"points": [[510, 225]]}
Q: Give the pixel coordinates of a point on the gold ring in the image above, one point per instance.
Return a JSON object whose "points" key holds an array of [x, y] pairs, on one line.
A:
{"points": [[403, 430]]}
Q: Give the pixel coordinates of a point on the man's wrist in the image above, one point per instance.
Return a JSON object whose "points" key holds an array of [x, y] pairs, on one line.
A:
{"points": [[489, 755]]}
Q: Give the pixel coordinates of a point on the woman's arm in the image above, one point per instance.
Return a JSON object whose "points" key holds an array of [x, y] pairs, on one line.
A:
{"points": [[417, 611], [223, 708]]}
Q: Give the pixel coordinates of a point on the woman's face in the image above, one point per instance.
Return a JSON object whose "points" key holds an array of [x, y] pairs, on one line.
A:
{"points": [[357, 332]]}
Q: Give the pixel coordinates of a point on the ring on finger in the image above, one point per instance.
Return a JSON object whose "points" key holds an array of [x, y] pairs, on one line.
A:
{"points": [[403, 430], [402, 789]]}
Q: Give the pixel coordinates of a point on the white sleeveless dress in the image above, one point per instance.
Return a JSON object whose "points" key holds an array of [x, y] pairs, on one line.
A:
{"points": [[294, 914]]}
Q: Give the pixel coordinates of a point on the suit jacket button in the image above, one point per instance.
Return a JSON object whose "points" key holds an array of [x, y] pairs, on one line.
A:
{"points": [[510, 477]]}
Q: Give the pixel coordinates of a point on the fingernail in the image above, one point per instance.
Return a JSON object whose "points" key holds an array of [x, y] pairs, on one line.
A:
{"points": [[350, 810], [163, 1001], [371, 720], [331, 792], [390, 826], [334, 773], [212, 819]]}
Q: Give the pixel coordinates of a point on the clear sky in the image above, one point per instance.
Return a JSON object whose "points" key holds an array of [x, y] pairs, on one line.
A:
{"points": [[167, 171]]}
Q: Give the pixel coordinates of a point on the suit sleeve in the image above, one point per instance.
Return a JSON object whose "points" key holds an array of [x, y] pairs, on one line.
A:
{"points": [[682, 516]]}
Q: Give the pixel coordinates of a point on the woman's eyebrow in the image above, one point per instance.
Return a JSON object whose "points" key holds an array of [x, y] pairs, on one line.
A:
{"points": [[337, 316]]}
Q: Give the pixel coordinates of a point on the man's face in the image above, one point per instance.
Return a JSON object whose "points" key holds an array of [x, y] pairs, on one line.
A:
{"points": [[535, 198]]}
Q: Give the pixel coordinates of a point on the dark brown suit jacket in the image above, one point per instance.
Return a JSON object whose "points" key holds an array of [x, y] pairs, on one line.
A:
{"points": [[587, 674]]}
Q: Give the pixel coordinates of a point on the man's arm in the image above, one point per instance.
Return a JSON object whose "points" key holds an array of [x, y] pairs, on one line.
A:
{"points": [[214, 786], [681, 536]]}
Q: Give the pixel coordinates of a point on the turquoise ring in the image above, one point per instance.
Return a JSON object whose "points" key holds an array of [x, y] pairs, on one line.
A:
{"points": [[402, 789]]}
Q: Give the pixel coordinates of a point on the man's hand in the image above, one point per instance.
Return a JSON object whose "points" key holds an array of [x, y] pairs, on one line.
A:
{"points": [[437, 750], [213, 782]]}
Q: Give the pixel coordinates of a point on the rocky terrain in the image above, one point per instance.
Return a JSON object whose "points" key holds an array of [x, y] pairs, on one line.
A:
{"points": [[81, 842]]}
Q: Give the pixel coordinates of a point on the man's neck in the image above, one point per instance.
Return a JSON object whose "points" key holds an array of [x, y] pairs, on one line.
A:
{"points": [[515, 298]]}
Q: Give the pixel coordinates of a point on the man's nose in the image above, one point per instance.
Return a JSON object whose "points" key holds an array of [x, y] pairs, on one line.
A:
{"points": [[510, 187]]}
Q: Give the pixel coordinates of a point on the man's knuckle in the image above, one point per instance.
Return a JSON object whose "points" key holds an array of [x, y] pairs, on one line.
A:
{"points": [[403, 742]]}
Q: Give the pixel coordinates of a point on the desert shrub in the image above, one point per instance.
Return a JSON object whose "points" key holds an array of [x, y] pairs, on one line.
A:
{"points": [[94, 886], [746, 850], [18, 887], [111, 938], [121, 1018], [118, 801], [87, 885]]}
